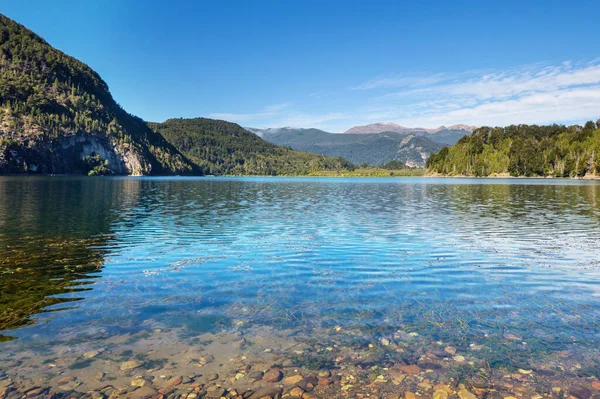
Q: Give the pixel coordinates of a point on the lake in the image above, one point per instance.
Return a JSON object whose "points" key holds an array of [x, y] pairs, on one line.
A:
{"points": [[344, 287]]}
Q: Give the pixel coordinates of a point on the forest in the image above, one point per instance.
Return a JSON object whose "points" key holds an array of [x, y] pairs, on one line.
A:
{"points": [[47, 96], [523, 150], [223, 148]]}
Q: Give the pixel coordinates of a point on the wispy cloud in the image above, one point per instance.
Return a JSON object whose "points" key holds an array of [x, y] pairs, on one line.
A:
{"points": [[530, 94], [396, 81]]}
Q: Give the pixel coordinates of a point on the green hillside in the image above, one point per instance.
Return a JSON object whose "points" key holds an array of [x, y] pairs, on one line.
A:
{"points": [[224, 148], [58, 116], [556, 150]]}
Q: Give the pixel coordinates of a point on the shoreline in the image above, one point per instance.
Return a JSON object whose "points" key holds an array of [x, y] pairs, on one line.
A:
{"points": [[508, 176], [329, 175]]}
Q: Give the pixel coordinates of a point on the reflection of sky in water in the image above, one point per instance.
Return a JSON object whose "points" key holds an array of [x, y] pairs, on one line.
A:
{"points": [[495, 254]]}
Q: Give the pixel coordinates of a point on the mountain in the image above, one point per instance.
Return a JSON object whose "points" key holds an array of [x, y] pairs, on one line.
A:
{"points": [[225, 148], [522, 150], [447, 135], [375, 149], [58, 116], [381, 127]]}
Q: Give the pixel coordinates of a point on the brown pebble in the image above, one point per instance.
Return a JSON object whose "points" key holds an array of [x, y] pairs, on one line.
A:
{"points": [[265, 391], [273, 375], [324, 381], [173, 382], [65, 380]]}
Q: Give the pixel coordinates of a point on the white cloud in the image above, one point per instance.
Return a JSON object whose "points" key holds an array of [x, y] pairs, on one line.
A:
{"points": [[568, 92], [563, 105]]}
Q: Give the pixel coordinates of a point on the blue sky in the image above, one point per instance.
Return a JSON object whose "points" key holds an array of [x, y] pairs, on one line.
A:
{"points": [[335, 64]]}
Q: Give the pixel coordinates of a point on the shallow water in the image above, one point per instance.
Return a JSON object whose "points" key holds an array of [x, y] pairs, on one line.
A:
{"points": [[392, 270]]}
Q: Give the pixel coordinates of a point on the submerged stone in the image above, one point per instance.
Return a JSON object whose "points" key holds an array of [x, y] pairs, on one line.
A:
{"points": [[131, 364], [273, 375]]}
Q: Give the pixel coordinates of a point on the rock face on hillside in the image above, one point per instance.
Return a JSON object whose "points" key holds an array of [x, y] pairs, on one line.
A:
{"points": [[58, 116]]}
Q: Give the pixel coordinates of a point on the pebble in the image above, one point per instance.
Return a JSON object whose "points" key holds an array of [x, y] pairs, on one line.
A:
{"points": [[397, 375], [91, 354], [174, 381], [596, 385], [463, 393], [65, 379], [131, 364], [35, 392], [410, 395], [440, 394], [292, 379], [450, 350], [273, 375], [308, 383], [215, 392], [443, 387], [325, 381], [327, 374], [527, 372], [265, 391], [144, 392], [140, 382], [256, 375], [297, 391]]}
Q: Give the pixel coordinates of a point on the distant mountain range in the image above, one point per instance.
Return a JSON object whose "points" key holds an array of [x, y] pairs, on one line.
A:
{"points": [[447, 135], [381, 127], [374, 148]]}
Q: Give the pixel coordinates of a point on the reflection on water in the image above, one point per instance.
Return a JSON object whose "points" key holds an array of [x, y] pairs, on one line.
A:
{"points": [[360, 273]]}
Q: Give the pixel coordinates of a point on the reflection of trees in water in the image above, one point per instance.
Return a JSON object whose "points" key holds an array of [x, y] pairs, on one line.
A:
{"points": [[52, 232], [36, 271]]}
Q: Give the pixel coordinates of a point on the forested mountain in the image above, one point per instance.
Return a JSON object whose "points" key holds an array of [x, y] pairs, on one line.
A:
{"points": [[374, 149], [556, 150], [224, 148], [58, 116]]}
